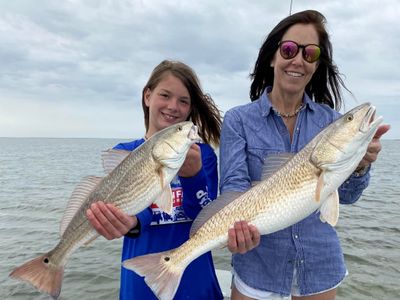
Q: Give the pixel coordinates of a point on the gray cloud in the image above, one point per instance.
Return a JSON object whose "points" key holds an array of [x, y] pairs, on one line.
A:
{"points": [[81, 65]]}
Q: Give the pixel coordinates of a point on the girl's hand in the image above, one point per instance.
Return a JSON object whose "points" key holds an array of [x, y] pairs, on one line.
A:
{"points": [[192, 163], [110, 221]]}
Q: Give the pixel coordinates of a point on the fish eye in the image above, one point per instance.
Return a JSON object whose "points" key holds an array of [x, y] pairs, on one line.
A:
{"points": [[179, 128], [350, 118]]}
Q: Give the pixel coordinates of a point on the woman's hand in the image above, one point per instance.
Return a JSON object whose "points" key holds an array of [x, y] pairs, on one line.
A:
{"points": [[192, 164], [243, 237], [110, 221], [374, 147]]}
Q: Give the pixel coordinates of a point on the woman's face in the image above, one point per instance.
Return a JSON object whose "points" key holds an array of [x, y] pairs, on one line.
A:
{"points": [[292, 75], [169, 103]]}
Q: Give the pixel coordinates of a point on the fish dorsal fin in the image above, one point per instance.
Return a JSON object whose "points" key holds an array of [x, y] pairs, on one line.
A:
{"points": [[330, 209], [165, 202], [212, 208], [273, 162], [112, 158], [78, 197]]}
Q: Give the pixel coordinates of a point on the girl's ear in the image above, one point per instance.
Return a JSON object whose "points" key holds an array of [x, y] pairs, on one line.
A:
{"points": [[146, 97]]}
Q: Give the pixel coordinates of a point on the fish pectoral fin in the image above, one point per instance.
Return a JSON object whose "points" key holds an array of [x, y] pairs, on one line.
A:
{"points": [[78, 197], [111, 158], [330, 209], [319, 188], [164, 202], [161, 176]]}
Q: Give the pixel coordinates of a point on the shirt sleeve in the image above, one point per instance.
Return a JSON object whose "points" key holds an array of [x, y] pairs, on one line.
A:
{"points": [[234, 170], [145, 218], [350, 191], [201, 189]]}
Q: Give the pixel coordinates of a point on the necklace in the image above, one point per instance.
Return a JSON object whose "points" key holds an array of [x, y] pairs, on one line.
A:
{"points": [[285, 115]]}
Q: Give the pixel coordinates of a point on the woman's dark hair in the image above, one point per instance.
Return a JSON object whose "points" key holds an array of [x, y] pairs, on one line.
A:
{"points": [[324, 86], [204, 113]]}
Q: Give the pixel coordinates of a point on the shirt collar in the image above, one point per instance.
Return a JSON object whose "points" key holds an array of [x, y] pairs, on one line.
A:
{"points": [[266, 106]]}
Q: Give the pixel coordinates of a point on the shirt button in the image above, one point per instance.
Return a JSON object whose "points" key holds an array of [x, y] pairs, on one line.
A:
{"points": [[296, 236], [302, 261]]}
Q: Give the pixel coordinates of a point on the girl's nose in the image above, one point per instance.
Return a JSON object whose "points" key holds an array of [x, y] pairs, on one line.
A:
{"points": [[173, 104]]}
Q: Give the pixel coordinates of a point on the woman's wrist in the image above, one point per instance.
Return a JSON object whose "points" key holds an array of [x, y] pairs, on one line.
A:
{"points": [[361, 171]]}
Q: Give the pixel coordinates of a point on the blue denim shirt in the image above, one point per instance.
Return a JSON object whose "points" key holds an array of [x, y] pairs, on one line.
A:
{"points": [[250, 133]]}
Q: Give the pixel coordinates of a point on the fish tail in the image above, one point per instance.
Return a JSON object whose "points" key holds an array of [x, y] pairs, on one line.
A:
{"points": [[42, 274], [160, 272]]}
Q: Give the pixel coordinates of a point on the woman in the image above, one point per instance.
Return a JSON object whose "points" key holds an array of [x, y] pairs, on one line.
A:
{"points": [[295, 92], [171, 95]]}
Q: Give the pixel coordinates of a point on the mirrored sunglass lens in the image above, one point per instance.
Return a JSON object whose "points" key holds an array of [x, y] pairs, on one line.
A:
{"points": [[311, 53], [288, 50]]}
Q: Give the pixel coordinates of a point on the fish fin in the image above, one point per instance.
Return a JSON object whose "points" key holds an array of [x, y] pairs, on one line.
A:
{"points": [[330, 209], [273, 162], [320, 186], [165, 201], [212, 208], [161, 175], [78, 197], [165, 280], [90, 240], [111, 158], [46, 277]]}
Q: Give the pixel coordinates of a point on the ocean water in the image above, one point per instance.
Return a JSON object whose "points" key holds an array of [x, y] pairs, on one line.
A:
{"points": [[37, 177]]}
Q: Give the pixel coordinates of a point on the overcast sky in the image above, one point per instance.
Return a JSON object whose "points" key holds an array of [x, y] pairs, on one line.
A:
{"points": [[76, 68]]}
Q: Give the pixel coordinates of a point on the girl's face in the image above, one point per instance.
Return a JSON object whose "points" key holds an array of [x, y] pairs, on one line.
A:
{"points": [[292, 75], [169, 103]]}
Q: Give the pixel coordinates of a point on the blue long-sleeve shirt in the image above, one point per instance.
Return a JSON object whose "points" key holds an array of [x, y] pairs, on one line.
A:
{"points": [[160, 232], [250, 133]]}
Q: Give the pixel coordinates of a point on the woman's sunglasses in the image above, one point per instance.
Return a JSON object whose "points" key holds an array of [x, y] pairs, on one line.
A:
{"points": [[289, 49]]}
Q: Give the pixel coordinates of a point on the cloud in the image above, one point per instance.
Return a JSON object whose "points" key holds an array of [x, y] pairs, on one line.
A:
{"points": [[77, 68]]}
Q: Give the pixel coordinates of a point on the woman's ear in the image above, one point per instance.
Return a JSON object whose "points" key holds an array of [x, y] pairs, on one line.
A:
{"points": [[272, 62]]}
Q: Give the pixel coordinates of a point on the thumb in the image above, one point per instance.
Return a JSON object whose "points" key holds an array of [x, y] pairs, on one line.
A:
{"points": [[381, 131]]}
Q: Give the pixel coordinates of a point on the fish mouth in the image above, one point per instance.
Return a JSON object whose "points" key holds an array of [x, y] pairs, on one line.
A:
{"points": [[193, 135], [369, 121]]}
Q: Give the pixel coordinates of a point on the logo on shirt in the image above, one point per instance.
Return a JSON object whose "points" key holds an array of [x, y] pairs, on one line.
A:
{"points": [[178, 215]]}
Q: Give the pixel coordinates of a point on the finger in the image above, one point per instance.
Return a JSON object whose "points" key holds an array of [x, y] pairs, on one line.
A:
{"points": [[108, 230], [232, 244], [125, 219], [93, 220], [248, 243], [94, 216], [381, 131], [195, 148], [370, 157], [240, 237], [255, 235], [113, 225]]}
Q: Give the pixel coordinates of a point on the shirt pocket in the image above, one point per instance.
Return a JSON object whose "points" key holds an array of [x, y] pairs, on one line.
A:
{"points": [[256, 157]]}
